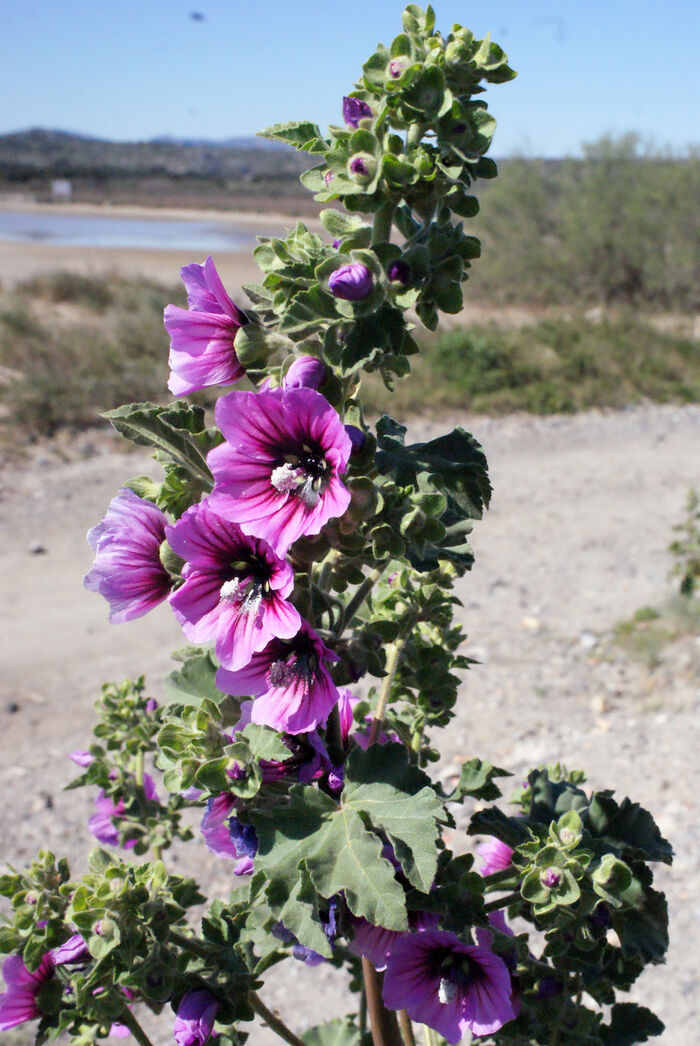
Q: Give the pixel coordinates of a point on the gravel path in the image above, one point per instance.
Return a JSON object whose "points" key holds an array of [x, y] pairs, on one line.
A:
{"points": [[576, 540]]}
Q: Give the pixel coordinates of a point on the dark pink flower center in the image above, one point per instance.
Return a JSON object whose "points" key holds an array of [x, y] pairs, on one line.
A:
{"points": [[303, 473]]}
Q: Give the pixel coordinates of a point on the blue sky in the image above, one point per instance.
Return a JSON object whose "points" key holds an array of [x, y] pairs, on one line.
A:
{"points": [[135, 69]]}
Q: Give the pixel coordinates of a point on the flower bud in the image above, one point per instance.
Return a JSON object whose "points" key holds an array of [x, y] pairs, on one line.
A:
{"points": [[396, 67], [328, 177], [457, 52], [362, 168], [354, 110], [351, 282], [357, 438], [195, 1017], [305, 373], [399, 272], [548, 987], [551, 877]]}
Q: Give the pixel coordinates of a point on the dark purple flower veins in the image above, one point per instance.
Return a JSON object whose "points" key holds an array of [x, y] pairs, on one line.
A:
{"points": [[303, 472], [298, 663], [457, 973]]}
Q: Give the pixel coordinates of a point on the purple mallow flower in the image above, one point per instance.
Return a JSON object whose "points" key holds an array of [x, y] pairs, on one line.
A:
{"points": [[74, 950], [225, 836], [102, 825], [306, 372], [376, 943], [82, 757], [18, 1004], [291, 681], [354, 110], [495, 856], [202, 337], [351, 282], [128, 571], [277, 474], [195, 1017], [235, 589], [448, 985]]}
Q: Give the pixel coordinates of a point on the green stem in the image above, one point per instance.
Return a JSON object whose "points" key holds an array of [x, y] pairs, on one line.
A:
{"points": [[273, 1021], [327, 569], [138, 769], [503, 902], [406, 1028], [392, 663], [381, 226], [415, 133], [499, 877], [359, 597], [430, 1035], [190, 944], [127, 1018]]}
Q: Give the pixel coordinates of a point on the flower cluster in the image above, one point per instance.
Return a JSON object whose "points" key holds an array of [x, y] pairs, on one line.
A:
{"points": [[277, 478]]}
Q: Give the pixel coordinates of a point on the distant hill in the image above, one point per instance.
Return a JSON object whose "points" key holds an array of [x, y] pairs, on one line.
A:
{"points": [[61, 154]]}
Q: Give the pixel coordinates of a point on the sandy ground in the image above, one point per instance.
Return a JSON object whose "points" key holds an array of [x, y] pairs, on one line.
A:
{"points": [[576, 540]]}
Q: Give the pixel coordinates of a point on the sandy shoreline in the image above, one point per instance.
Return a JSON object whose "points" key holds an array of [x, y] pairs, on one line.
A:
{"points": [[22, 261]]}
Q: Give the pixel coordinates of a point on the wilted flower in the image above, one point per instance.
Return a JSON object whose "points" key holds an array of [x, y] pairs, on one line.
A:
{"points": [[235, 589], [202, 337], [448, 985], [220, 828], [292, 685], [128, 572], [195, 1017], [18, 1004], [354, 110], [351, 282], [74, 950], [306, 372], [101, 824], [277, 474]]}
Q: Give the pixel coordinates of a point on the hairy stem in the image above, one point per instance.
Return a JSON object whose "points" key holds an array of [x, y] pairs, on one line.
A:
{"points": [[359, 597], [138, 769], [381, 226], [275, 1023], [499, 877], [430, 1036], [385, 1027], [190, 944], [129, 1021], [503, 902], [406, 1028], [392, 663], [415, 133]]}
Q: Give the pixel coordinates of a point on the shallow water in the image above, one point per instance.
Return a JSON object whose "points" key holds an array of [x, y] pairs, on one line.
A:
{"points": [[78, 230]]}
